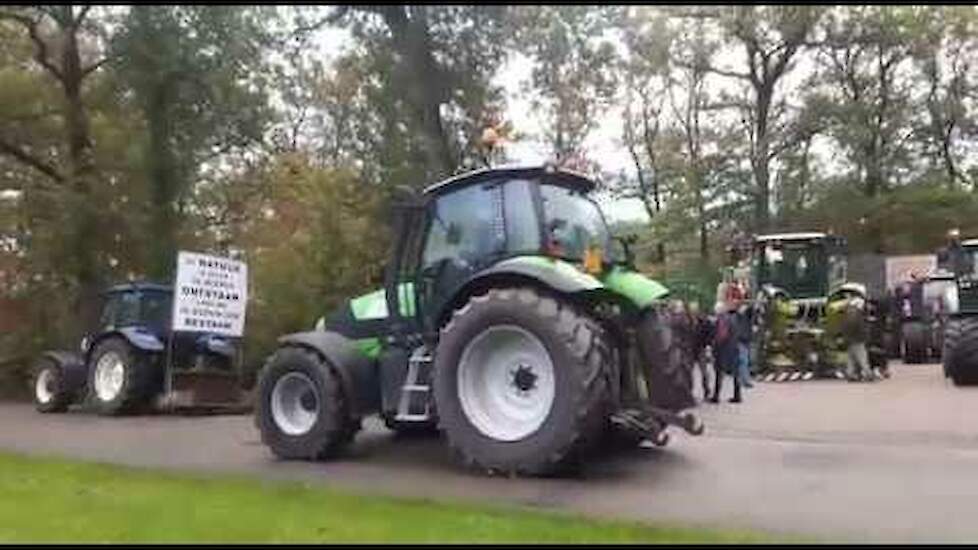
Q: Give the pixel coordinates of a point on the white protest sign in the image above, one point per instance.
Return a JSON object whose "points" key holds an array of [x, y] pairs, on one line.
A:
{"points": [[210, 294]]}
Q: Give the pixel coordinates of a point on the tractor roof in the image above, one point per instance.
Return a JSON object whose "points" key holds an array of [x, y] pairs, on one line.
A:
{"points": [[556, 176], [139, 285], [790, 236]]}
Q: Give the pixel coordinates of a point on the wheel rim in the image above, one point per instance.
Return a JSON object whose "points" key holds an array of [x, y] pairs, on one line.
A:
{"points": [[43, 386], [506, 382], [110, 372], [295, 403]]}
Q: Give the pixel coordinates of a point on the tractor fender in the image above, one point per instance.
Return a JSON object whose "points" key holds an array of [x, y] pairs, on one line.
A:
{"points": [[137, 338], [72, 366], [357, 373], [556, 274]]}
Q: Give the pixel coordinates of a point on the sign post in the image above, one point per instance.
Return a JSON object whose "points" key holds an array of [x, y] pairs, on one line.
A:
{"points": [[210, 295]]}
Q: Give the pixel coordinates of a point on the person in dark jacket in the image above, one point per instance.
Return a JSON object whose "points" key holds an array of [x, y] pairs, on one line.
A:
{"points": [[725, 351], [702, 332]]}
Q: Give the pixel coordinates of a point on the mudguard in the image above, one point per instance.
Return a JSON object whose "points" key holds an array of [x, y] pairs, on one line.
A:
{"points": [[357, 373], [141, 340], [72, 366], [562, 276]]}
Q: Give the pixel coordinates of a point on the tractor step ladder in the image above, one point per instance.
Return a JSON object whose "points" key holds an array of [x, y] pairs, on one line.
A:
{"points": [[419, 365]]}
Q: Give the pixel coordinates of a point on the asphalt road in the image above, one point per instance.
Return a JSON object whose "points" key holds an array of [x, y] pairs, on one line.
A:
{"points": [[894, 461]]}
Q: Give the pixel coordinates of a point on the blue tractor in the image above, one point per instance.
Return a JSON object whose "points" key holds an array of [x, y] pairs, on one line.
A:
{"points": [[132, 361]]}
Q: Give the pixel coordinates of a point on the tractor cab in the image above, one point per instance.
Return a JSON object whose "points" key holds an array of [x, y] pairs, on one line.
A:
{"points": [[800, 266], [487, 221]]}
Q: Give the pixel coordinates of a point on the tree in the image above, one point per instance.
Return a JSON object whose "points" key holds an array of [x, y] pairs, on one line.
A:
{"points": [[943, 47], [195, 72], [65, 48], [863, 51], [573, 74], [771, 37], [647, 77], [430, 70]]}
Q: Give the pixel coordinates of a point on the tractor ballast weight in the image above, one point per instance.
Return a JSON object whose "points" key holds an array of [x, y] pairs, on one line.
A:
{"points": [[128, 361], [507, 321]]}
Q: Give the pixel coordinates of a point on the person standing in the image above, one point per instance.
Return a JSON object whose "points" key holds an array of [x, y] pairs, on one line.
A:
{"points": [[701, 334], [725, 352], [854, 333]]}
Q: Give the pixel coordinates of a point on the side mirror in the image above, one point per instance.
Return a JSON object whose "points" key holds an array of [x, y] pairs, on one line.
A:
{"points": [[626, 244]]}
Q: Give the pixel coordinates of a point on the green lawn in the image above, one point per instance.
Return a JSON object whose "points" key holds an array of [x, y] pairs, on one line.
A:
{"points": [[47, 500]]}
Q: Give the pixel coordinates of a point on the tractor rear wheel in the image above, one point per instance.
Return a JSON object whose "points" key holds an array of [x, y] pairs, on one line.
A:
{"points": [[915, 342], [962, 355], [952, 330], [519, 382], [51, 394], [120, 378], [301, 410], [661, 351]]}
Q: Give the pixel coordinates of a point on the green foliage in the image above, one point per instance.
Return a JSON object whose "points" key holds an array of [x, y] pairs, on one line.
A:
{"points": [[318, 239]]}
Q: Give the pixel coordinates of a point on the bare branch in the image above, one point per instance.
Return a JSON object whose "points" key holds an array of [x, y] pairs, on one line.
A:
{"points": [[30, 160], [94, 66]]}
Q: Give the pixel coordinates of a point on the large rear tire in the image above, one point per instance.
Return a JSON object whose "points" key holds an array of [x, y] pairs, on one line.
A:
{"points": [[915, 342], [520, 383], [51, 394], [952, 330], [663, 358], [961, 355], [301, 411], [120, 378]]}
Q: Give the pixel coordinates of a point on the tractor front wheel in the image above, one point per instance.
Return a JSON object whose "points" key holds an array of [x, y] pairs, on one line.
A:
{"points": [[519, 382], [302, 411]]}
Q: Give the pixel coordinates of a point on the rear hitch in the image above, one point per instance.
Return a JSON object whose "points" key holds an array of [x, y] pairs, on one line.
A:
{"points": [[650, 422]]}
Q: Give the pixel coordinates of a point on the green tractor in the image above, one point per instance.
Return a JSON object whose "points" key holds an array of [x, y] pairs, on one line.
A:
{"points": [[508, 321], [960, 304], [798, 281]]}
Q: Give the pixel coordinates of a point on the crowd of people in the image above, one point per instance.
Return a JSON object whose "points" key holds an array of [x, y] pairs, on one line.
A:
{"points": [[719, 342]]}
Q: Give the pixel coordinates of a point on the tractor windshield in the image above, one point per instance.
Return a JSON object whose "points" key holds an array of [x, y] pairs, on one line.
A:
{"points": [[573, 222], [800, 268]]}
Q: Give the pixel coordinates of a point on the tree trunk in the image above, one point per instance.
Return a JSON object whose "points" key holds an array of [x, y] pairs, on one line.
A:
{"points": [[81, 168], [164, 185], [424, 84]]}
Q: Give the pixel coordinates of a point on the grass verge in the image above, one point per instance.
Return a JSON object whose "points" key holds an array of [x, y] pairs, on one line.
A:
{"points": [[53, 500]]}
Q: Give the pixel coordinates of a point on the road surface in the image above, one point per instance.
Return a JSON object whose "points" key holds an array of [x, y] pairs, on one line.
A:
{"points": [[894, 461]]}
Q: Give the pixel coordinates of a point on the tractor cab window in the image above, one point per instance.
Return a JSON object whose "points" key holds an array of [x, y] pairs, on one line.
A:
{"points": [[108, 311], [798, 268], [573, 223], [156, 309], [522, 226], [127, 312], [466, 227]]}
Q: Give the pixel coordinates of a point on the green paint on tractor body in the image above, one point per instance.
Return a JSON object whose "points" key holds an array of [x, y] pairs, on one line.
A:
{"points": [[562, 275]]}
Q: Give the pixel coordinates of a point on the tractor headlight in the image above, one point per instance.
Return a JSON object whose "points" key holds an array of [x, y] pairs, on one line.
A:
{"points": [[951, 299]]}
